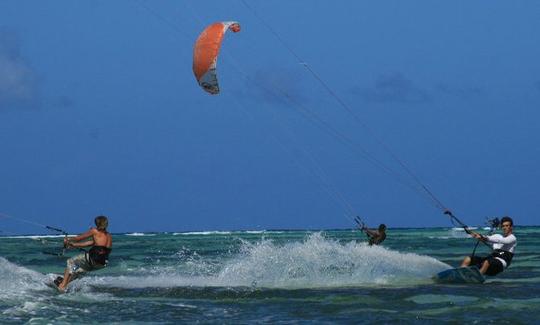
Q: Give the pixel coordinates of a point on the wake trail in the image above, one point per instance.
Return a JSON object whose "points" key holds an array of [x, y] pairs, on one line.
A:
{"points": [[316, 262]]}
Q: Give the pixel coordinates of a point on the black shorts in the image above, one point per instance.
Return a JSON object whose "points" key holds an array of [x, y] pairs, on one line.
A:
{"points": [[495, 266]]}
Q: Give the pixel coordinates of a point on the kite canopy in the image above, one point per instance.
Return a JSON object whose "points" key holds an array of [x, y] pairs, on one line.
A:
{"points": [[206, 51]]}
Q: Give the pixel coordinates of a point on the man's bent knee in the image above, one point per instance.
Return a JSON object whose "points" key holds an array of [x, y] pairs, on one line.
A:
{"points": [[485, 267]]}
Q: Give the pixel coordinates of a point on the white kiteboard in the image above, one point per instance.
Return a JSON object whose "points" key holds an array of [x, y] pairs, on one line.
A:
{"points": [[460, 275]]}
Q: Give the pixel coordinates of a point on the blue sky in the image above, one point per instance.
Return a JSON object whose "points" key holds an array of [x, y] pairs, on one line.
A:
{"points": [[100, 114]]}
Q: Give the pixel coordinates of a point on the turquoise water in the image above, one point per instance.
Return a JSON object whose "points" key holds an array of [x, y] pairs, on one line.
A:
{"points": [[270, 276]]}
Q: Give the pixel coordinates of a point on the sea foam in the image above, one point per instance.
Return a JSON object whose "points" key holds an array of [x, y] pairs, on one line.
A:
{"points": [[316, 262]]}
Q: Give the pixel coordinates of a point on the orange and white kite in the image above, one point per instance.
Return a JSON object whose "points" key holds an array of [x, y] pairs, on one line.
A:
{"points": [[206, 51]]}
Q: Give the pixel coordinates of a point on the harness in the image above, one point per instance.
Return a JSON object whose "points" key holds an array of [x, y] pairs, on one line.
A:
{"points": [[376, 240], [504, 256], [98, 255]]}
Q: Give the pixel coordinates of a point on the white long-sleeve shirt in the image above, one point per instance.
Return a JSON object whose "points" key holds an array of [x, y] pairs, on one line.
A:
{"points": [[507, 243]]}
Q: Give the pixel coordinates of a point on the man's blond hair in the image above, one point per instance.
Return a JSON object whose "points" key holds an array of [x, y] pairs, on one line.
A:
{"points": [[101, 222]]}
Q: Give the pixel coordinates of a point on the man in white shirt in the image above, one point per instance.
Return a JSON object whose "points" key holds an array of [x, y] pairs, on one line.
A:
{"points": [[503, 250]]}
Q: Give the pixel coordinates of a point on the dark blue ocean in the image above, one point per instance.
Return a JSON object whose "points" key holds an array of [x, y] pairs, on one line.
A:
{"points": [[270, 277]]}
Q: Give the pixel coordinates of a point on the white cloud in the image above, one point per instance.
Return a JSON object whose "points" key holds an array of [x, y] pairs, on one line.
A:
{"points": [[394, 87], [17, 79]]}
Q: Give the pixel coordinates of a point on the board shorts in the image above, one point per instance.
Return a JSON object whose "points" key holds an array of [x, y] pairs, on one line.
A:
{"points": [[495, 266], [80, 264]]}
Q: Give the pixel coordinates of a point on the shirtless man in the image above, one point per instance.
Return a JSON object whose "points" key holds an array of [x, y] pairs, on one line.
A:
{"points": [[96, 258], [375, 237]]}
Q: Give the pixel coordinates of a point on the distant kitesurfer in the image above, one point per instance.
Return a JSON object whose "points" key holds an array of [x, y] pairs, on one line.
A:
{"points": [[96, 258], [375, 237], [503, 250]]}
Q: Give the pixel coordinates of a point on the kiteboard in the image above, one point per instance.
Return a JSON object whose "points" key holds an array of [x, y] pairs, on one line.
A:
{"points": [[54, 284], [460, 275]]}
